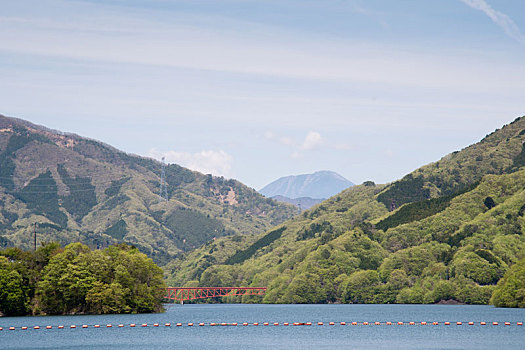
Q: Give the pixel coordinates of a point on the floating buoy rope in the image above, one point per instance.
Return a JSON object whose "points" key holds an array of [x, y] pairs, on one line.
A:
{"points": [[226, 324]]}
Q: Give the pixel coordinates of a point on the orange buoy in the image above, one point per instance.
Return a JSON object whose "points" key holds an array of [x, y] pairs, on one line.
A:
{"points": [[519, 324], [132, 325], [201, 324], [245, 323], [447, 323], [24, 328], [308, 323], [276, 323], [354, 323], [388, 323], [155, 325], [49, 327], [483, 323], [36, 327], [73, 326], [120, 325], [265, 324], [60, 327], [234, 324], [179, 324], [285, 324], [97, 326], [331, 323], [343, 323], [167, 324], [435, 323], [459, 323], [190, 324], [507, 323], [110, 325], [256, 323], [377, 323], [1, 329], [471, 323], [320, 323], [411, 323], [11, 328], [494, 323], [365, 323], [423, 323], [84, 326], [400, 323]]}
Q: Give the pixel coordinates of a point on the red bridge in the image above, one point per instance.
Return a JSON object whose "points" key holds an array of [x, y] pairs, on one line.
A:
{"points": [[192, 293]]}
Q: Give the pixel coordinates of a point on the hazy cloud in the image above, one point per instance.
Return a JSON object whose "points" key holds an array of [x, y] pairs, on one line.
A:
{"points": [[213, 162], [501, 19]]}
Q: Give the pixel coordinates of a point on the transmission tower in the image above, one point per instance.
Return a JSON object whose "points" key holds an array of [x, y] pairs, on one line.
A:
{"points": [[163, 193]]}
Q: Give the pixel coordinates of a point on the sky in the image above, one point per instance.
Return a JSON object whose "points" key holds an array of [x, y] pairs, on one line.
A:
{"points": [[259, 89]]}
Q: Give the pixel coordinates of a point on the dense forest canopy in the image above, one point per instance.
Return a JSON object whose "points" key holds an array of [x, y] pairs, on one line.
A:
{"points": [[448, 231], [76, 280]]}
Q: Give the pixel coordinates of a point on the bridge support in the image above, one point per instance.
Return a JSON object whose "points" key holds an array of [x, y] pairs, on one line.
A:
{"points": [[191, 293]]}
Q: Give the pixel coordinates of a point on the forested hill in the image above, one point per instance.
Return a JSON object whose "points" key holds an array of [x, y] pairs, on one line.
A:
{"points": [[449, 230], [80, 190]]}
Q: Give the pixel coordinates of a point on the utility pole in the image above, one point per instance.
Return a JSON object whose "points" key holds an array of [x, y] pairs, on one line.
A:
{"points": [[163, 193], [34, 235]]}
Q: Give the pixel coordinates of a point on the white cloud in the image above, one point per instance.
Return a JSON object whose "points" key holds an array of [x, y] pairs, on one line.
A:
{"points": [[501, 19], [218, 163], [312, 141]]}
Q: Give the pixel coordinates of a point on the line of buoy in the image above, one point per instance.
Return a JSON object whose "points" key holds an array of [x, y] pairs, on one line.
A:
{"points": [[224, 324]]}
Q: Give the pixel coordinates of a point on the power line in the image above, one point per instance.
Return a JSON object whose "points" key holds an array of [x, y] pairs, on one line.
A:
{"points": [[37, 192]]}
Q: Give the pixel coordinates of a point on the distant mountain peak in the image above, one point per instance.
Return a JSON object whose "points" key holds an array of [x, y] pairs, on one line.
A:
{"points": [[321, 184]]}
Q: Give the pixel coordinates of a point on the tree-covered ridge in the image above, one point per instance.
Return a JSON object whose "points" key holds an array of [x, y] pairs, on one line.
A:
{"points": [[77, 189], [500, 152], [456, 241], [510, 291], [73, 280], [352, 207]]}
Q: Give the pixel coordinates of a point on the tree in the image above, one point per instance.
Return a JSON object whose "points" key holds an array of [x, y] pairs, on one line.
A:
{"points": [[13, 295], [510, 291], [118, 279], [489, 203]]}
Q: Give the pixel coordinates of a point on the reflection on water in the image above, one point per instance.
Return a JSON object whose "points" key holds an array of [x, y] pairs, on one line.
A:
{"points": [[279, 337]]}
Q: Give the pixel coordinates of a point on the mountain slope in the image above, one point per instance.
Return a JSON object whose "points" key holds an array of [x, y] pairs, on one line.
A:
{"points": [[448, 230], [78, 189], [319, 185]]}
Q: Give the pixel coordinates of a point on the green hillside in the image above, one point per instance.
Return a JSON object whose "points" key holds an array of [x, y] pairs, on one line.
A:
{"points": [[80, 190], [449, 230]]}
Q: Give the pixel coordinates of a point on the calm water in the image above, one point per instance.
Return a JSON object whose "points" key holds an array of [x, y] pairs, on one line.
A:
{"points": [[276, 337]]}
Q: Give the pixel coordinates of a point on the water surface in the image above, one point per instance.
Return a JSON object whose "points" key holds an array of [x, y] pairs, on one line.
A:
{"points": [[277, 337]]}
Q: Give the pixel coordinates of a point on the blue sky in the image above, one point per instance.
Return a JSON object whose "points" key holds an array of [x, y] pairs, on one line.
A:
{"points": [[256, 90]]}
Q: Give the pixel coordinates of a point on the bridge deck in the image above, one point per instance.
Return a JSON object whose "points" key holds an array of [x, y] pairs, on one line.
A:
{"points": [[192, 293]]}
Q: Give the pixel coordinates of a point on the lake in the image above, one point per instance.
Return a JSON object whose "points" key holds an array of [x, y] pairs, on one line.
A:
{"points": [[277, 337]]}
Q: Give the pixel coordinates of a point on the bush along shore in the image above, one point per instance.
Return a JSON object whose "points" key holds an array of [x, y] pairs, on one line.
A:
{"points": [[77, 280]]}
